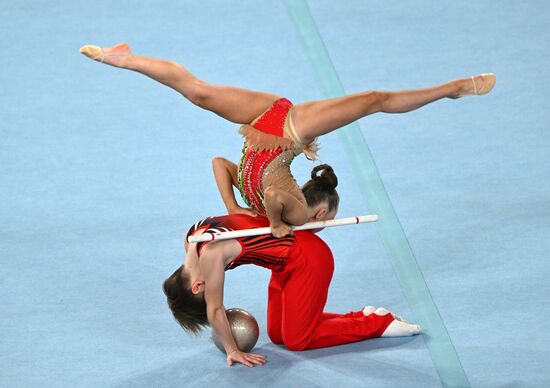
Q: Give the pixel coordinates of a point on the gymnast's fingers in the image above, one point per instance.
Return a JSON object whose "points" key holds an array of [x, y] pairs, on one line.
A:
{"points": [[255, 360], [261, 356], [240, 358]]}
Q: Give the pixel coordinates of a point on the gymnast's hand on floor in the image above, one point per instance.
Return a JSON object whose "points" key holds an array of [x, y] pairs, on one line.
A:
{"points": [[242, 210], [248, 359]]}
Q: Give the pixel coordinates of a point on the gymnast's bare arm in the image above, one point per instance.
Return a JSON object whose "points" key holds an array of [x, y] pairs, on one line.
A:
{"points": [[212, 265], [225, 173], [283, 210]]}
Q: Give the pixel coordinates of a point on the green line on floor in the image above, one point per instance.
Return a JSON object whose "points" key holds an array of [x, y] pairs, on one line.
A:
{"points": [[404, 263]]}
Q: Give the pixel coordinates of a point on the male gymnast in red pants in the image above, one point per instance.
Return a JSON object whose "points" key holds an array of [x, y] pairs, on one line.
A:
{"points": [[302, 266]]}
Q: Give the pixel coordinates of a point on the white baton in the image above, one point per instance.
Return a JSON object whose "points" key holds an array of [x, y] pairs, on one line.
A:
{"points": [[259, 231]]}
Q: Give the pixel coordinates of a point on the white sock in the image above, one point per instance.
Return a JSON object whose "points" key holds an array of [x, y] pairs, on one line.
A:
{"points": [[401, 329], [368, 310], [381, 311], [400, 318], [398, 328]]}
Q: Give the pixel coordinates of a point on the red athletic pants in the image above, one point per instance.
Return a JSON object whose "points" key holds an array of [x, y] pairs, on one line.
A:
{"points": [[297, 296]]}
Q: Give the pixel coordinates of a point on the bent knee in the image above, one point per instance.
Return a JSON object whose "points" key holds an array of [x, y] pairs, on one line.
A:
{"points": [[198, 92], [375, 100], [275, 335], [274, 330], [296, 346]]}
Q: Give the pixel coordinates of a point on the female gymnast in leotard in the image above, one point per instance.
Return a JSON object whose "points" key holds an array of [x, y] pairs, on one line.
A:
{"points": [[302, 267], [275, 130]]}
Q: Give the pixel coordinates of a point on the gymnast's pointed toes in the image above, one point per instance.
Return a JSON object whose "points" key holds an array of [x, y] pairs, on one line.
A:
{"points": [[93, 52], [489, 80]]}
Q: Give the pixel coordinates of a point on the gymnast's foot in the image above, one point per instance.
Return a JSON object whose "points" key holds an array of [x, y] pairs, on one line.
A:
{"points": [[116, 55], [401, 329], [368, 310], [398, 328], [475, 85]]}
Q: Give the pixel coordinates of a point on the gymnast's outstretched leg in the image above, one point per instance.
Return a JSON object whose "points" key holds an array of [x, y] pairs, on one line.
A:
{"points": [[316, 118], [234, 104]]}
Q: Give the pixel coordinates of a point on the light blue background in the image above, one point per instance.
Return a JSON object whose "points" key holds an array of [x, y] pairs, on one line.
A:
{"points": [[102, 171]]}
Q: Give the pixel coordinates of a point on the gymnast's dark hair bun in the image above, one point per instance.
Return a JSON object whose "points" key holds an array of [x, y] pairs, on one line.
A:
{"points": [[322, 187], [327, 176]]}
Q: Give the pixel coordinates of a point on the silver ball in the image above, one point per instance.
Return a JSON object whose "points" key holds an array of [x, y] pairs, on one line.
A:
{"points": [[244, 328]]}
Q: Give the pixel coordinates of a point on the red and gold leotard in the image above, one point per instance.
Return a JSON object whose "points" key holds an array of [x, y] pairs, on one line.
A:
{"points": [[271, 144], [265, 250]]}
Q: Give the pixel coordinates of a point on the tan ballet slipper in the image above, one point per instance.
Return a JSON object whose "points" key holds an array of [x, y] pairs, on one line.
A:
{"points": [[115, 56], [94, 52], [489, 80]]}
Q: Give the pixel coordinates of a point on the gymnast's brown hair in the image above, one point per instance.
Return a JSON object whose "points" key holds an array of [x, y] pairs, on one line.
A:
{"points": [[322, 187], [188, 309]]}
